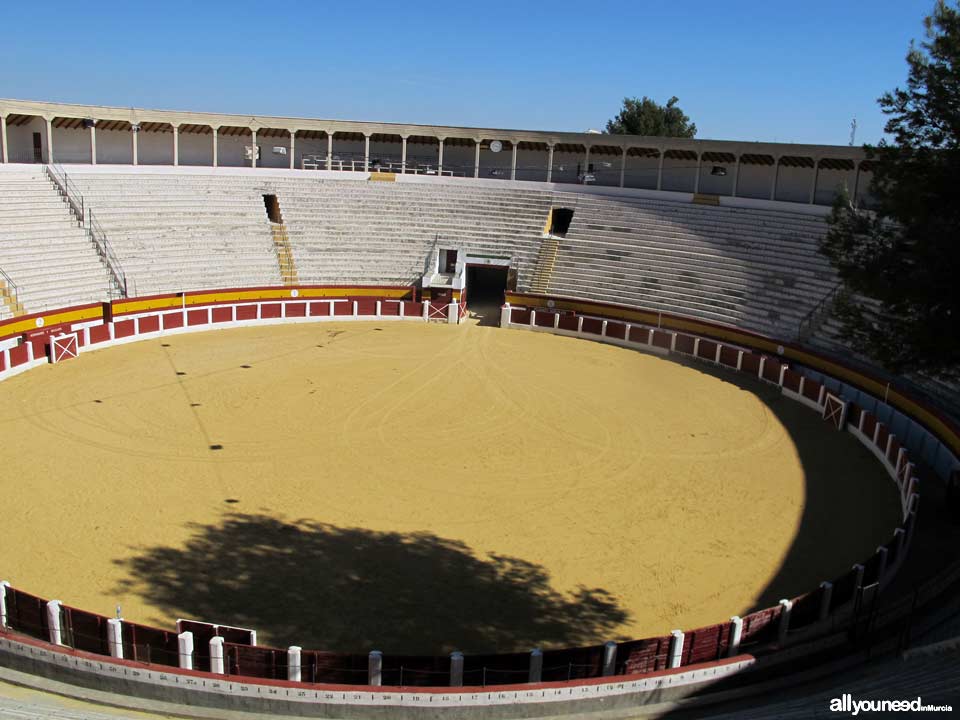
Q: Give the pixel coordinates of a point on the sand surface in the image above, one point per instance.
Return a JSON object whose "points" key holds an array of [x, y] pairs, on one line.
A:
{"points": [[421, 488]]}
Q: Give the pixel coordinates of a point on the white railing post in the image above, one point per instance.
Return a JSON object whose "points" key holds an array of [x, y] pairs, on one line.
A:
{"points": [[763, 362], [53, 622], [456, 669], [426, 309], [378, 308], [293, 663], [536, 666], [826, 598], [739, 360], [736, 633], [4, 620], [216, 655], [676, 649], [185, 650], [375, 668], [115, 637], [609, 658], [787, 607], [505, 315]]}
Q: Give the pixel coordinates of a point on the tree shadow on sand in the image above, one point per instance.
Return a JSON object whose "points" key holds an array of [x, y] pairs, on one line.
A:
{"points": [[353, 590]]}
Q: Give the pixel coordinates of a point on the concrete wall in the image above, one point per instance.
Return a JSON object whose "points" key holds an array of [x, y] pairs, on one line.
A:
{"points": [[793, 184], [71, 145], [114, 147], [156, 148], [716, 184], [20, 140], [754, 181], [679, 175]]}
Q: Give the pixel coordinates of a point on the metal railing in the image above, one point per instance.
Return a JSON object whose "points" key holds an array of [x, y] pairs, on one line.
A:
{"points": [[11, 290], [119, 284], [816, 315]]}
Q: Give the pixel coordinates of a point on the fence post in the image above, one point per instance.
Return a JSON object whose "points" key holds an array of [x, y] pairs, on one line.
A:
{"points": [[580, 323], [533, 318], [783, 373], [456, 669], [115, 637], [763, 362], [356, 308], [825, 598], [676, 649], [736, 633], [882, 569], [378, 308], [4, 622], [504, 315], [787, 606], [739, 360], [899, 536], [426, 309], [216, 655], [609, 658], [375, 668], [696, 347], [293, 663], [858, 578], [53, 622], [603, 329], [185, 650], [536, 666]]}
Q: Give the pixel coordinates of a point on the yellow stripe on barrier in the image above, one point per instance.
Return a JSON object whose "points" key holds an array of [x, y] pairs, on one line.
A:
{"points": [[53, 318], [207, 298]]}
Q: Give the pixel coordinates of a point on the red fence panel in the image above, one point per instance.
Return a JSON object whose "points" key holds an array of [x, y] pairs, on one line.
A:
{"points": [[365, 306], [811, 389], [334, 668], [893, 452], [761, 626], [771, 370], [18, 355], [171, 320], [544, 318], [151, 645], [662, 339], [806, 609], [750, 363], [261, 662], [707, 350], [27, 614], [270, 311], [639, 334], [728, 356], [791, 380], [572, 663], [412, 309], [416, 670], [616, 330], [685, 344], [126, 328], [196, 317], [843, 588], [643, 656], [99, 334], [594, 326], [496, 669], [520, 316], [85, 631], [869, 424], [246, 312], [222, 314], [705, 644], [568, 322], [150, 324], [882, 434], [296, 309], [389, 308]]}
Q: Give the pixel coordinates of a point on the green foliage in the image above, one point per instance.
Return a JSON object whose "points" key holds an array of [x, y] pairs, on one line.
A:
{"points": [[646, 117], [904, 253]]}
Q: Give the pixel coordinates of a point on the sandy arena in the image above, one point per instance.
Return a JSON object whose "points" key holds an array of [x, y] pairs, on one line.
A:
{"points": [[422, 488]]}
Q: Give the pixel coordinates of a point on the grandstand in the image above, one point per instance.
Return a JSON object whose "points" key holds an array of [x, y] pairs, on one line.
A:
{"points": [[138, 224]]}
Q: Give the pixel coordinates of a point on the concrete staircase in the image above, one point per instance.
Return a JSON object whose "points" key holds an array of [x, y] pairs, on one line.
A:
{"points": [[546, 259], [288, 267]]}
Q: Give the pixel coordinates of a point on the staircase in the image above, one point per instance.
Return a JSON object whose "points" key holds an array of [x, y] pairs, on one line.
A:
{"points": [[8, 293], [281, 242], [546, 259]]}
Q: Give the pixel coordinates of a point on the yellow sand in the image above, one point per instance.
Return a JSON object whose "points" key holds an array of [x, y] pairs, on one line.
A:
{"points": [[421, 487]]}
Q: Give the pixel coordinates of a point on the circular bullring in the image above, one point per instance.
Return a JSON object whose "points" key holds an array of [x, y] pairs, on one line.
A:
{"points": [[419, 488]]}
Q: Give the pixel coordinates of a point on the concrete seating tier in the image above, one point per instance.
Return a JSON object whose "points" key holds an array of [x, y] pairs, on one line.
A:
{"points": [[184, 232], [50, 259]]}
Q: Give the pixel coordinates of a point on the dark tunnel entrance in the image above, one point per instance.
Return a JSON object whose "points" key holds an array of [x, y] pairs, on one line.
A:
{"points": [[485, 288]]}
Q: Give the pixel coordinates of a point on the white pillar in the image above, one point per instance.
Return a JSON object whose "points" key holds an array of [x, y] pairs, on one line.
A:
{"points": [[858, 578], [456, 669], [115, 637], [293, 148], [826, 597], [623, 166], [513, 161], [293, 663], [403, 154], [676, 649], [440, 158], [586, 159], [4, 621], [696, 180], [93, 143], [505, 315], [329, 150], [899, 536], [185, 650], [453, 313], [135, 142], [253, 142], [787, 607], [536, 666], [366, 152], [216, 145], [776, 173], [476, 159], [4, 155], [609, 658], [736, 176], [176, 145], [53, 622], [736, 633], [375, 668], [813, 185], [882, 567], [550, 163], [216, 655], [49, 140], [426, 309], [660, 169]]}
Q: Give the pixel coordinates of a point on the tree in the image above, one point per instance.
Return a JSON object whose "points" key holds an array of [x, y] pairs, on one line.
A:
{"points": [[646, 117], [904, 253]]}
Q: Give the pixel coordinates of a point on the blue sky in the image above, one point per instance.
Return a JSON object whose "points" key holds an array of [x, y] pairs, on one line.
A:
{"points": [[776, 71]]}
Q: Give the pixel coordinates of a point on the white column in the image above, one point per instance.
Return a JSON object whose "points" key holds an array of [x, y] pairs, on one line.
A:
{"points": [[826, 596], [93, 143], [787, 607], [135, 142], [776, 172], [813, 185], [176, 145], [536, 666], [185, 650], [49, 140], [4, 155], [293, 663], [115, 637], [293, 148], [696, 180], [329, 150], [623, 166], [505, 315], [736, 176], [550, 163], [253, 142], [4, 622], [375, 668], [403, 154], [216, 655], [476, 159], [609, 658], [440, 158], [882, 565], [513, 161], [366, 152], [586, 160], [660, 169], [736, 632], [53, 622], [676, 649], [216, 145]]}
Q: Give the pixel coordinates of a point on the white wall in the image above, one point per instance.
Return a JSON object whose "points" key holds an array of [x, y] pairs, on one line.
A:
{"points": [[114, 147], [156, 148], [195, 149], [641, 172], [755, 180], [679, 175], [567, 166], [311, 146], [20, 140], [793, 184], [716, 184], [532, 165], [495, 166], [71, 145], [230, 150]]}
